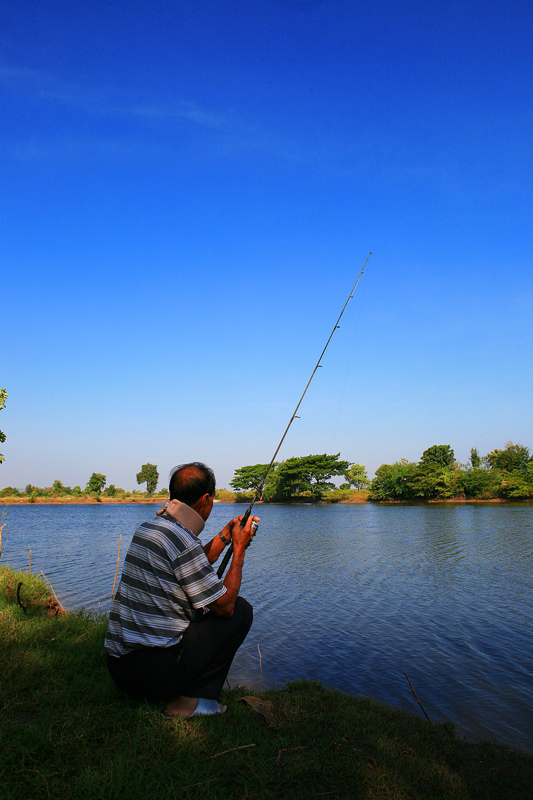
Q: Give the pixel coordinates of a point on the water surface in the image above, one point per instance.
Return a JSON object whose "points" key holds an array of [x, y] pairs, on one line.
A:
{"points": [[354, 595]]}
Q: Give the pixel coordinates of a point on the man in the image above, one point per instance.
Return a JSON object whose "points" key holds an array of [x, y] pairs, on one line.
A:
{"points": [[174, 626]]}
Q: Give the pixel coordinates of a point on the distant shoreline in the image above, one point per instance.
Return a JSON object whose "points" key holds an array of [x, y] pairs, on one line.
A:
{"points": [[80, 501], [92, 501]]}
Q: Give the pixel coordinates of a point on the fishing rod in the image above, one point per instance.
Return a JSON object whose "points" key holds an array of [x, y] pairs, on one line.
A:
{"points": [[261, 485]]}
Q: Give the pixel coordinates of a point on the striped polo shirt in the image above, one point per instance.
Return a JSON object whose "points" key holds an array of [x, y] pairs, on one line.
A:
{"points": [[166, 576]]}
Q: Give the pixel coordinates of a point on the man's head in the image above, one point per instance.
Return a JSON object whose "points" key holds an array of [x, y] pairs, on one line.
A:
{"points": [[193, 484]]}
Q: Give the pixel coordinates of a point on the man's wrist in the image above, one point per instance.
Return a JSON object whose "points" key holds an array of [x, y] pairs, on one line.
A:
{"points": [[226, 541]]}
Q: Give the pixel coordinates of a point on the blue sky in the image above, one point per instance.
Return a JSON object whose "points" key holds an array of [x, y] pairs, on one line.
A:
{"points": [[188, 193]]}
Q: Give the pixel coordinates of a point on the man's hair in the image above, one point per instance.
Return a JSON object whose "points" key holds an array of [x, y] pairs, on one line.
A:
{"points": [[189, 482]]}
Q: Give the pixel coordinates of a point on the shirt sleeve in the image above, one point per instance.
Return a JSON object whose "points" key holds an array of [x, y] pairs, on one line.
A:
{"points": [[197, 577]]}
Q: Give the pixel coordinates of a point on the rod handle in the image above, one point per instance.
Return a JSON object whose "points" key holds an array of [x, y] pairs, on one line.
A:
{"points": [[224, 563], [229, 551]]}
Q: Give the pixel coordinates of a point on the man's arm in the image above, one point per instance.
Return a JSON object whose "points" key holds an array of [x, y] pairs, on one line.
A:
{"points": [[214, 548], [224, 606]]}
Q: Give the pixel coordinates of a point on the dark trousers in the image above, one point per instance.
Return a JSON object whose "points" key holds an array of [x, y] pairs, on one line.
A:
{"points": [[196, 667]]}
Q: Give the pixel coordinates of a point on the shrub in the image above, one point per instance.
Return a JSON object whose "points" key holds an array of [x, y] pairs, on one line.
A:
{"points": [[244, 497], [225, 496], [342, 493]]}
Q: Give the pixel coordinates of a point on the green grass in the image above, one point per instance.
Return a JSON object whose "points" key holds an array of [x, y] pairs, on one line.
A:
{"points": [[65, 732]]}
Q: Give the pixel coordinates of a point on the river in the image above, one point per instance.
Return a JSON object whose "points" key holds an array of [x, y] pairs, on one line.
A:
{"points": [[353, 595]]}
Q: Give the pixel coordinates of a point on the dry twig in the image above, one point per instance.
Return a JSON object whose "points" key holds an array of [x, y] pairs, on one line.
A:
{"points": [[52, 588], [223, 753], [416, 698], [116, 571]]}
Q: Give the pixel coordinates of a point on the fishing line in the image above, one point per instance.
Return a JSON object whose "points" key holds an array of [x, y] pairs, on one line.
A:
{"points": [[260, 486]]}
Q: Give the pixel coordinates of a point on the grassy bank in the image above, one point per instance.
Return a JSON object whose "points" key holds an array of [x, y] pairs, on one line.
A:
{"points": [[67, 733]]}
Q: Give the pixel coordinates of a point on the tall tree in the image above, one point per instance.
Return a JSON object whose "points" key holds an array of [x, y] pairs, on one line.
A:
{"points": [[513, 459], [356, 476], [475, 458], [306, 474], [150, 476], [249, 477], [394, 481], [3, 396], [441, 455], [96, 483]]}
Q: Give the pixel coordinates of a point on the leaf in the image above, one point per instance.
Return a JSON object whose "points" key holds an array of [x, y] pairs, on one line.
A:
{"points": [[263, 707]]}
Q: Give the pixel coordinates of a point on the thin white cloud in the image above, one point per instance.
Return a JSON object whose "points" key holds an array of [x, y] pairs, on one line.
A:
{"points": [[104, 100], [181, 110], [234, 134]]}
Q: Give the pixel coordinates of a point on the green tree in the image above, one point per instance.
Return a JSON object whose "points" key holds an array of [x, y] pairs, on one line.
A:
{"points": [[479, 483], [306, 474], [356, 476], [518, 485], [430, 481], [475, 458], [249, 477], [393, 481], [150, 476], [58, 487], [96, 483], [514, 459], [3, 396], [111, 490], [440, 454]]}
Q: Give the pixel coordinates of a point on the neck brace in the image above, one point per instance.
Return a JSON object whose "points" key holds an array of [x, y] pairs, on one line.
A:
{"points": [[188, 517]]}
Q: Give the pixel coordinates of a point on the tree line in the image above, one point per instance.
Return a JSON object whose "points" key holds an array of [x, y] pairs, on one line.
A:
{"points": [[96, 486], [503, 473]]}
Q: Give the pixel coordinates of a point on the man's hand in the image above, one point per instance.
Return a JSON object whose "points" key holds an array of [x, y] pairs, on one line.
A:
{"points": [[223, 607], [167, 507], [242, 536]]}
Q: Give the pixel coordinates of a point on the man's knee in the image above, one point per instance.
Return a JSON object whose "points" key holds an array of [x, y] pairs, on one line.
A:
{"points": [[244, 611]]}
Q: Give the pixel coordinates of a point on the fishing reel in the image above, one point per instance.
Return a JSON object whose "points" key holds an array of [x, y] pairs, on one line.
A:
{"points": [[255, 526]]}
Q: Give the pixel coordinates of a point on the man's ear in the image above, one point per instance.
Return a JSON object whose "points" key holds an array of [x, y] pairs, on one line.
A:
{"points": [[202, 503]]}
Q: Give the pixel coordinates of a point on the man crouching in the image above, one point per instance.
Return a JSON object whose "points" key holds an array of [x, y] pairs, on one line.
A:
{"points": [[174, 626]]}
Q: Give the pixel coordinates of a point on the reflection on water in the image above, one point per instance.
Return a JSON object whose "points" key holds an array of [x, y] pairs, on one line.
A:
{"points": [[352, 595]]}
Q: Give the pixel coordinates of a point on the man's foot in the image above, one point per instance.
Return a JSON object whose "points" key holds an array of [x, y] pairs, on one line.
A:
{"points": [[192, 706], [205, 706]]}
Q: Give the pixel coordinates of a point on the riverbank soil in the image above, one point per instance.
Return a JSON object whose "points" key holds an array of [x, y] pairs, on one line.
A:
{"points": [[66, 732]]}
